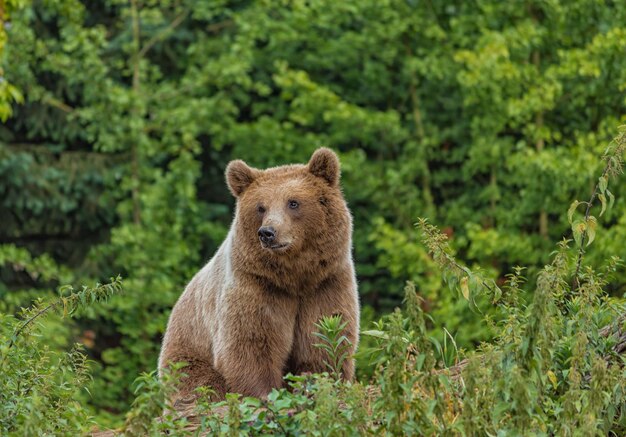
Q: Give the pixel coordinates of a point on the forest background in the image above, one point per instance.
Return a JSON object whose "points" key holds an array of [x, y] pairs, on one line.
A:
{"points": [[119, 118]]}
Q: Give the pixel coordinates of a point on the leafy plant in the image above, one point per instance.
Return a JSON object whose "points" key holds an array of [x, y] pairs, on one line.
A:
{"points": [[39, 387], [151, 412], [334, 343]]}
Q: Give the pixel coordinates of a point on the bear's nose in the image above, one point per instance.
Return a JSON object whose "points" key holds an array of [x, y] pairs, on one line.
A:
{"points": [[267, 234]]}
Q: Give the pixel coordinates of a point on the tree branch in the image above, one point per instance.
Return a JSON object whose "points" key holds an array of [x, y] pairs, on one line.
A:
{"points": [[56, 103], [162, 34], [581, 248], [136, 88]]}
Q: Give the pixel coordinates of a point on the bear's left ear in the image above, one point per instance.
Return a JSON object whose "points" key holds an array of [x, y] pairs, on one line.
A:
{"points": [[325, 164], [239, 176]]}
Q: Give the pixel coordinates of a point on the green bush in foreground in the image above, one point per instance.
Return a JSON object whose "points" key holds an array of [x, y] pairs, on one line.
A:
{"points": [[39, 386], [555, 367]]}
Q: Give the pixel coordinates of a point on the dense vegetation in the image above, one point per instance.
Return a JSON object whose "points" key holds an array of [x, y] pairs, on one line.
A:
{"points": [[487, 117]]}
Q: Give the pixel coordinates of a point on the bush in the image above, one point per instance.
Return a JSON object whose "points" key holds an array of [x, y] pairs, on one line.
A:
{"points": [[39, 387]]}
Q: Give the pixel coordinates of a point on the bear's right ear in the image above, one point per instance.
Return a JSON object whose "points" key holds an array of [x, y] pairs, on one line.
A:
{"points": [[239, 176]]}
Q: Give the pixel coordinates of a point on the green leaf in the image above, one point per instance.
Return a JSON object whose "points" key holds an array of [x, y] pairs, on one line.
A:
{"points": [[552, 378], [603, 182], [497, 292], [602, 198], [15, 94], [419, 362], [376, 333], [578, 228], [611, 198], [465, 287], [592, 224], [572, 208]]}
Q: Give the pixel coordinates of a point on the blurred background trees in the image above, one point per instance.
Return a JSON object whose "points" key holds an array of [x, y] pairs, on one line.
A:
{"points": [[487, 117]]}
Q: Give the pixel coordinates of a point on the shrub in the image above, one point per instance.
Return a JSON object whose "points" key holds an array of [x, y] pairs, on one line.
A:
{"points": [[39, 387]]}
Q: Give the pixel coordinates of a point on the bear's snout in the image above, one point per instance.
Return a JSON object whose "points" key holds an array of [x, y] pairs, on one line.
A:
{"points": [[267, 234]]}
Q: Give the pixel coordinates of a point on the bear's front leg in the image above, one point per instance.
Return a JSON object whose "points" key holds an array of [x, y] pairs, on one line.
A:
{"points": [[254, 341], [337, 296]]}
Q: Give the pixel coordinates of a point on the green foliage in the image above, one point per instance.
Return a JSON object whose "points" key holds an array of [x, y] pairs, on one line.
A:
{"points": [[313, 405], [39, 387], [552, 370], [8, 93], [152, 394], [334, 343], [119, 118]]}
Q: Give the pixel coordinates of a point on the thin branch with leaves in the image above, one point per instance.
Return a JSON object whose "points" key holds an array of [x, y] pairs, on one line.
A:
{"points": [[68, 304], [437, 244], [585, 230]]}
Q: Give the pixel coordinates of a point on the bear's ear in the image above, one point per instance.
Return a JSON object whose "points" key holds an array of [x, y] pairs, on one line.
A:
{"points": [[325, 164], [239, 176]]}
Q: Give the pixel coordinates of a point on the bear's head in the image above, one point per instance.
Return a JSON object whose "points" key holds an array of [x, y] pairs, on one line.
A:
{"points": [[291, 217]]}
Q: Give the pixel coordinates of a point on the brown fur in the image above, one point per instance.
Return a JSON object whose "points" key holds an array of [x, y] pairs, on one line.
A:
{"points": [[246, 318]]}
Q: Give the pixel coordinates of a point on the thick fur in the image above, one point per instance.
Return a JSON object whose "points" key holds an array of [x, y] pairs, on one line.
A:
{"points": [[246, 319]]}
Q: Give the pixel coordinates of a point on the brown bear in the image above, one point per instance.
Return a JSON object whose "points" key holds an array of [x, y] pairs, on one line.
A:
{"points": [[247, 318]]}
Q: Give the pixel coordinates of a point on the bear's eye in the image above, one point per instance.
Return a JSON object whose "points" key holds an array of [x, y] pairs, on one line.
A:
{"points": [[260, 209], [293, 204]]}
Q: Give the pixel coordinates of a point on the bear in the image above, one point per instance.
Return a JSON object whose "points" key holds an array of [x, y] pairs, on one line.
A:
{"points": [[247, 317]]}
